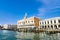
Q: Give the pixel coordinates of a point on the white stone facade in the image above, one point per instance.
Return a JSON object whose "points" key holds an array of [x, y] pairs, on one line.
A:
{"points": [[9, 26], [29, 22], [51, 23]]}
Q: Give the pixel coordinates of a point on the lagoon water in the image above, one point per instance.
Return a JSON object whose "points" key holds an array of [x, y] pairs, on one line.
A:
{"points": [[14, 35]]}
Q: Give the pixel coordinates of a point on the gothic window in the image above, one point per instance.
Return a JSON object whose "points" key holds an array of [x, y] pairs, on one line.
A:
{"points": [[51, 22], [54, 21], [55, 26], [59, 26], [51, 26], [45, 22], [59, 21], [48, 22]]}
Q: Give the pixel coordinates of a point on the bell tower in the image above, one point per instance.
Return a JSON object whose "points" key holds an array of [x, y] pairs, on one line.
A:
{"points": [[25, 17]]}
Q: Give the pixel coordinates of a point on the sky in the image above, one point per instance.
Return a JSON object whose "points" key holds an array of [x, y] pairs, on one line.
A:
{"points": [[13, 10]]}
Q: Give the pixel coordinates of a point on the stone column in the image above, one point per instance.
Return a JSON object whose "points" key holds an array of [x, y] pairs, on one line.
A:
{"points": [[57, 27], [50, 27], [53, 27], [47, 26]]}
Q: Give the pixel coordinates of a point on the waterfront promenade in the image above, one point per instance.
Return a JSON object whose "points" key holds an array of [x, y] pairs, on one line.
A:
{"points": [[37, 31]]}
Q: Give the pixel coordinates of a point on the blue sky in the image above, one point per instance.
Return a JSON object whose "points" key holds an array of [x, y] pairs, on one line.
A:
{"points": [[13, 10]]}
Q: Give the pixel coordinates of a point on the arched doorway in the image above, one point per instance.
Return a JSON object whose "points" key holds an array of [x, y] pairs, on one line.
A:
{"points": [[51, 26], [48, 27], [58, 26], [42, 26], [45, 27], [55, 26]]}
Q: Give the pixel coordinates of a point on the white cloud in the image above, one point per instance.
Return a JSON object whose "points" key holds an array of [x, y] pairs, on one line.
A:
{"points": [[41, 11], [48, 6]]}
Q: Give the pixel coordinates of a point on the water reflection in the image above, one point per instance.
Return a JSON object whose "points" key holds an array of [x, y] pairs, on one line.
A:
{"points": [[7, 35], [36, 37], [11, 35], [24, 36]]}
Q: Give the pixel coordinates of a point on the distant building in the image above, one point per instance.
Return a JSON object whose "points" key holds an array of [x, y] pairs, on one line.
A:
{"points": [[51, 23], [9, 26], [26, 23], [1, 26]]}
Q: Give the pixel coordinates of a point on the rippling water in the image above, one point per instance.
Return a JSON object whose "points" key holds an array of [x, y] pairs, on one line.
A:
{"points": [[12, 35]]}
